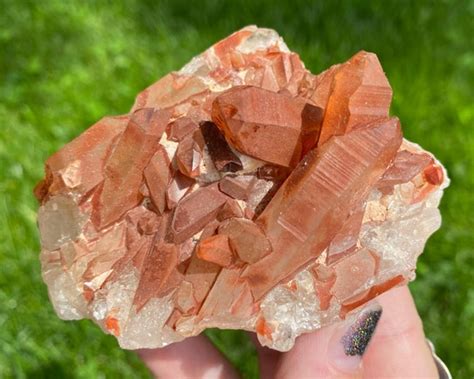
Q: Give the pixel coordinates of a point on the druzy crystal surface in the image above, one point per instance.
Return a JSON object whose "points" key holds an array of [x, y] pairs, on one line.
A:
{"points": [[240, 192]]}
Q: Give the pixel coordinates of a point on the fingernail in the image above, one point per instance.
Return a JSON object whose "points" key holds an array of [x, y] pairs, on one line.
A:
{"points": [[349, 342]]}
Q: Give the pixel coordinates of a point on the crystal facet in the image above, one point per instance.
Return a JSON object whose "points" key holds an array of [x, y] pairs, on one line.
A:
{"points": [[240, 192]]}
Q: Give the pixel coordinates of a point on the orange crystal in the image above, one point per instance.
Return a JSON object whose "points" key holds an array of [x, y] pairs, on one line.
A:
{"points": [[251, 117], [240, 192]]}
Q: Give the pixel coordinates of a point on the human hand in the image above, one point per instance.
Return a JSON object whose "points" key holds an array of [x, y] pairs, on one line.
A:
{"points": [[397, 349]]}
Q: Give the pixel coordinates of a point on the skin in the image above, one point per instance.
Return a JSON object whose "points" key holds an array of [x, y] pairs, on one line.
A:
{"points": [[397, 350]]}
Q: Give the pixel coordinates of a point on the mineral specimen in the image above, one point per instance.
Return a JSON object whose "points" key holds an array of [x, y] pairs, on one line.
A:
{"points": [[240, 192]]}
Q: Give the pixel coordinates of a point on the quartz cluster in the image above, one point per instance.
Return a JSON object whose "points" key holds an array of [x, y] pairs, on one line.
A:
{"points": [[240, 192]]}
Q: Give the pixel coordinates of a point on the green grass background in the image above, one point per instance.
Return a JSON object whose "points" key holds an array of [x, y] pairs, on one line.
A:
{"points": [[65, 64]]}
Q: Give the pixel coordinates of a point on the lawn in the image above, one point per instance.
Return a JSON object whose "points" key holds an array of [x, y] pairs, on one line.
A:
{"points": [[65, 64]]}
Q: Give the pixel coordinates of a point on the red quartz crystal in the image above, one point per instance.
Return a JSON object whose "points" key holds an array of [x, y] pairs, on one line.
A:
{"points": [[157, 178], [250, 118], [359, 93], [123, 172], [215, 249], [341, 172], [236, 190]]}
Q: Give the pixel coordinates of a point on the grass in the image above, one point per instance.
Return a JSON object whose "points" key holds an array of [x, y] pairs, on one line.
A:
{"points": [[65, 64]]}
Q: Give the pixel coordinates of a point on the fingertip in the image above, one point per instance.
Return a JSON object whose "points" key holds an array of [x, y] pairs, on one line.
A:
{"points": [[398, 347], [308, 357]]}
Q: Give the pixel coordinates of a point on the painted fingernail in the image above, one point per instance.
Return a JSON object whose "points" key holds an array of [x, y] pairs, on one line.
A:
{"points": [[349, 343], [357, 338]]}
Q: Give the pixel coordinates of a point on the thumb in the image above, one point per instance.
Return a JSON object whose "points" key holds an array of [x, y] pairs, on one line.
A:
{"points": [[333, 351], [397, 349]]}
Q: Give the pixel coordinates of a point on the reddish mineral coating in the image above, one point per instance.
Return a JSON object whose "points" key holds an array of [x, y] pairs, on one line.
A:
{"points": [[215, 249], [433, 175], [159, 274], [250, 117], [112, 324], [345, 240], [404, 167], [360, 266], [195, 212], [343, 171], [373, 292], [268, 182], [228, 282], [360, 94], [230, 209], [189, 156], [185, 301], [124, 169], [201, 274], [170, 90], [181, 128], [246, 239], [157, 176], [323, 86], [80, 164], [238, 187], [324, 279], [180, 186], [262, 328]]}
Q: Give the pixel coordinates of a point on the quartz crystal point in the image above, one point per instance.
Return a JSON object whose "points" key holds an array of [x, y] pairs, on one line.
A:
{"points": [[240, 192], [250, 117]]}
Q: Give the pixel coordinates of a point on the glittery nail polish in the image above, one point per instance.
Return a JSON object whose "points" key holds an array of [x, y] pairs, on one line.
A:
{"points": [[351, 338], [358, 336]]}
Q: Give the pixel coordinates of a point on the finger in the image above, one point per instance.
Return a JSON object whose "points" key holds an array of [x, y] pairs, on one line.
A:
{"points": [[267, 359], [194, 357], [343, 349], [308, 358], [349, 341], [399, 348]]}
